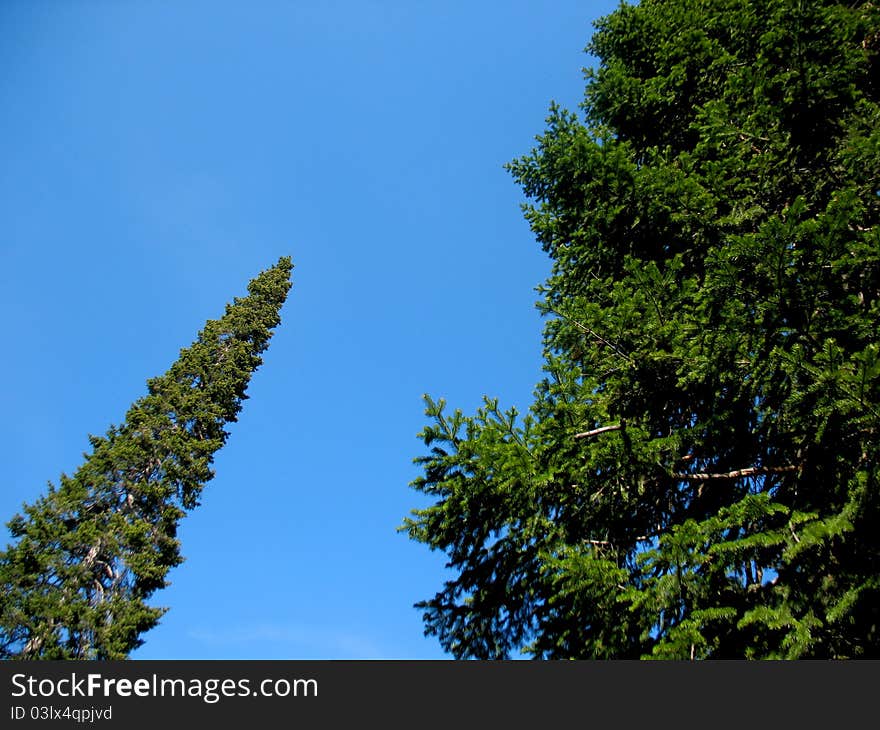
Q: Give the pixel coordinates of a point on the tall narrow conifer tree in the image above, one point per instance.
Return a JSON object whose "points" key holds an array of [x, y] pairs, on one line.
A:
{"points": [[89, 553]]}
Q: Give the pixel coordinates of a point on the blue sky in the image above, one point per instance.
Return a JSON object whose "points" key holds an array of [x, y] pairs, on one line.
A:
{"points": [[158, 155]]}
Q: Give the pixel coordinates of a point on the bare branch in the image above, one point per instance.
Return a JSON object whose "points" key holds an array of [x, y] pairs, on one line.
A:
{"points": [[640, 538], [738, 473], [597, 431]]}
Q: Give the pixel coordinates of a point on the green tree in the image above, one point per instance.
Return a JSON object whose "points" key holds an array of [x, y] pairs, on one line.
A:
{"points": [[93, 549], [697, 476]]}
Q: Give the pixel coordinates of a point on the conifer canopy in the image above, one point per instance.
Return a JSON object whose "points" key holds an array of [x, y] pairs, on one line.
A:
{"points": [[697, 476]]}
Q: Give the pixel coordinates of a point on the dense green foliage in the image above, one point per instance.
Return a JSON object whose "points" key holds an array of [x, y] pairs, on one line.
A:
{"points": [[698, 474], [93, 549]]}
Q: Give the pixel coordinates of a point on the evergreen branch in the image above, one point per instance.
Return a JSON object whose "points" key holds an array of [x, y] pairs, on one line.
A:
{"points": [[617, 350]]}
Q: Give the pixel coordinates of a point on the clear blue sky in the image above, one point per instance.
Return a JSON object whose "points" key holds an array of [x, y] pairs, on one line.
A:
{"points": [[158, 155]]}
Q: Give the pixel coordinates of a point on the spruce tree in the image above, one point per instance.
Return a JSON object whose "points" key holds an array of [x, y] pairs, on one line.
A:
{"points": [[90, 552], [699, 473]]}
